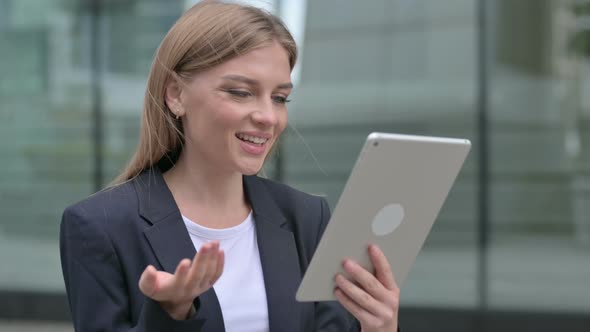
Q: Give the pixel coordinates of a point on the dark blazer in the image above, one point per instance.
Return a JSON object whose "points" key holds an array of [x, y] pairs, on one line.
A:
{"points": [[107, 240]]}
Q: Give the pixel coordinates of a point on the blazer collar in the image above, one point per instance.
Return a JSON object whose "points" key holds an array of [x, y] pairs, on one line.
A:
{"points": [[278, 252], [170, 240], [278, 255], [263, 204], [156, 201]]}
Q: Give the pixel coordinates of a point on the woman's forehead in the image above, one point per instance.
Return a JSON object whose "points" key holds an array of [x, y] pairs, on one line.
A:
{"points": [[267, 63]]}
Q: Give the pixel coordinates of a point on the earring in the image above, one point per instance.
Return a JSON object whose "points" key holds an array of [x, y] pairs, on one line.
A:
{"points": [[177, 116]]}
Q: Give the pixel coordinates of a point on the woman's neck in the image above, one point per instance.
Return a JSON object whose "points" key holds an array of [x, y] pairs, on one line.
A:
{"points": [[207, 195]]}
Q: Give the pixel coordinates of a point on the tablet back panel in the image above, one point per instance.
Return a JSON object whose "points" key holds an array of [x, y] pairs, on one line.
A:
{"points": [[393, 196]]}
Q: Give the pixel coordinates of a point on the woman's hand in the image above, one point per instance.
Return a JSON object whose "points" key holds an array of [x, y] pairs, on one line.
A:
{"points": [[176, 292], [372, 299]]}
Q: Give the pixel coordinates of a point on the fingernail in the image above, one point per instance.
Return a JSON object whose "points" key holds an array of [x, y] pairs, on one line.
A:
{"points": [[347, 264], [374, 249]]}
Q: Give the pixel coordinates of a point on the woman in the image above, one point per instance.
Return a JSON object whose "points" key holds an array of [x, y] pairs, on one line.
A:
{"points": [[215, 105]]}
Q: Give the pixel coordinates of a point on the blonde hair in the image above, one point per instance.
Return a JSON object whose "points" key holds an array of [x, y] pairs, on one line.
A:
{"points": [[209, 33]]}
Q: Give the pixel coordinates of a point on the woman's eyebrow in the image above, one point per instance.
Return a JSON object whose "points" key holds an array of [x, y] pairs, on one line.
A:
{"points": [[249, 81]]}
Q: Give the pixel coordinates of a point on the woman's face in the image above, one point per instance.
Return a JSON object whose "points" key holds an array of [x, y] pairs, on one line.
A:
{"points": [[234, 112]]}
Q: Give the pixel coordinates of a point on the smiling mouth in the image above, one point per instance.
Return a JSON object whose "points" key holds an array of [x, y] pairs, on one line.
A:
{"points": [[252, 139]]}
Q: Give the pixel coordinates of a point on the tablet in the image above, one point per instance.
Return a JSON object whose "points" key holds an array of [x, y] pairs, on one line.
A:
{"points": [[392, 198]]}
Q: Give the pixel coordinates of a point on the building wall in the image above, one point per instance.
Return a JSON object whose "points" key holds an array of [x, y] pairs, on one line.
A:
{"points": [[405, 66]]}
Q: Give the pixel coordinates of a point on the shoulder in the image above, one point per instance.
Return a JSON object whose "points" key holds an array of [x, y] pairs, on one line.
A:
{"points": [[113, 199], [289, 198], [306, 215], [104, 208]]}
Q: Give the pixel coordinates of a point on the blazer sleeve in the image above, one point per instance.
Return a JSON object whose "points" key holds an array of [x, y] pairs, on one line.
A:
{"points": [[95, 285], [330, 316]]}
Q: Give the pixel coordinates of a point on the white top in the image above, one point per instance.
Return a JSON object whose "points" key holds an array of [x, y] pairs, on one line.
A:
{"points": [[240, 289]]}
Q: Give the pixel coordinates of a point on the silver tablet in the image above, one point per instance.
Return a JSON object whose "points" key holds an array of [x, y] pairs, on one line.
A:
{"points": [[393, 195]]}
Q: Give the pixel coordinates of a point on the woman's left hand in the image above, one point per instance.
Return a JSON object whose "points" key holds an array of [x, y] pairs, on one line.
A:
{"points": [[372, 299]]}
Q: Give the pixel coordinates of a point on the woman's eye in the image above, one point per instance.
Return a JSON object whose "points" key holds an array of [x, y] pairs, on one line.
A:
{"points": [[239, 93], [280, 99]]}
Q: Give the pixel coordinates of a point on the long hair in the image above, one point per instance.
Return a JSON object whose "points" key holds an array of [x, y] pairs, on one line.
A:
{"points": [[208, 34]]}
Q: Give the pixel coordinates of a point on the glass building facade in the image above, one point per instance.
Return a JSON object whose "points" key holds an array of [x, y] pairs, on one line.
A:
{"points": [[511, 247]]}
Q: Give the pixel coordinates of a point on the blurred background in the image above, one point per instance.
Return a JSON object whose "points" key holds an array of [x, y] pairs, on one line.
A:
{"points": [[510, 250]]}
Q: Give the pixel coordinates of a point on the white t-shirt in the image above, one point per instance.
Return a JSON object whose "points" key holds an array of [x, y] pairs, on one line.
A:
{"points": [[240, 289]]}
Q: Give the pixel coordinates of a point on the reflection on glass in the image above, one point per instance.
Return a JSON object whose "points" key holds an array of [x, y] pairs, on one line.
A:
{"points": [[406, 66], [44, 139], [397, 66], [539, 172]]}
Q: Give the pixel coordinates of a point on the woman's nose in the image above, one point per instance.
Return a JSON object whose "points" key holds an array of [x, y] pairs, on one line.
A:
{"points": [[265, 114]]}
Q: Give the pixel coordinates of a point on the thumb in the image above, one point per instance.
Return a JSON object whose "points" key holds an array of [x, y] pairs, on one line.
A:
{"points": [[148, 281]]}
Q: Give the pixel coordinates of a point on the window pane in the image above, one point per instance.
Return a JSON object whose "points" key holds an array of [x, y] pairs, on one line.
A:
{"points": [[45, 137], [396, 66], [540, 153], [130, 34]]}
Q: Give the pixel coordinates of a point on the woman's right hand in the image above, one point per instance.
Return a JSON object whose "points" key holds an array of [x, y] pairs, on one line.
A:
{"points": [[176, 292]]}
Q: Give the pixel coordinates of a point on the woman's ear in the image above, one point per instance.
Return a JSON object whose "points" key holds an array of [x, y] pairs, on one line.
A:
{"points": [[173, 97]]}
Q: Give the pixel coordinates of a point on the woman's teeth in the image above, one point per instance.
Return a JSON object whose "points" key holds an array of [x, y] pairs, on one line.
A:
{"points": [[252, 139]]}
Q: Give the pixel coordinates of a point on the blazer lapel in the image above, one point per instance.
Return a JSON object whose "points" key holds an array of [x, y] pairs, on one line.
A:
{"points": [[169, 238], [279, 258]]}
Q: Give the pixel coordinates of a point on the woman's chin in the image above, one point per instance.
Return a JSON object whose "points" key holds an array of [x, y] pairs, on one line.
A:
{"points": [[251, 169], [250, 173]]}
